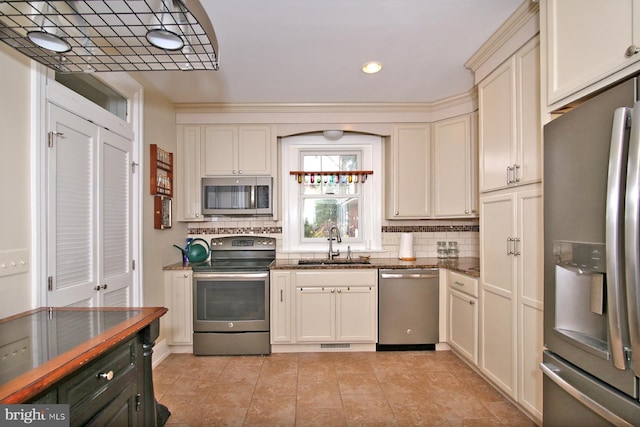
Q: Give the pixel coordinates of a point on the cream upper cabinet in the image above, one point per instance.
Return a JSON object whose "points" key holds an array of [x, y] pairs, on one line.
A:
{"points": [[239, 150], [587, 41], [189, 173], [509, 122], [408, 160], [336, 306], [454, 167], [511, 293]]}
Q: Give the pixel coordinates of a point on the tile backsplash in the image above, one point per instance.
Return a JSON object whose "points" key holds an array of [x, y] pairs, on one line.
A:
{"points": [[426, 234]]}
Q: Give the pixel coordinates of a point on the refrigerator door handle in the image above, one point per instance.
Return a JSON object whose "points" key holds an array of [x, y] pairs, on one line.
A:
{"points": [[553, 373], [631, 238], [614, 238]]}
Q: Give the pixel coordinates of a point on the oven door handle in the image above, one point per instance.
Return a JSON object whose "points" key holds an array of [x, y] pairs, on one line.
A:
{"points": [[260, 275]]}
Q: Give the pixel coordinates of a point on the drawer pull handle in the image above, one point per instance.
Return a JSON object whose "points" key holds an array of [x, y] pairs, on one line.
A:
{"points": [[106, 376], [459, 283]]}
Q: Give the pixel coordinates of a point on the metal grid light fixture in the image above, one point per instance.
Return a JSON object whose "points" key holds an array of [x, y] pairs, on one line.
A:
{"points": [[111, 35]]}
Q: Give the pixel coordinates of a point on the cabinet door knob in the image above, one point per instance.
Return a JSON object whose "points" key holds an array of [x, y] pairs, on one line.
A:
{"points": [[186, 275], [631, 50], [472, 302], [106, 376]]}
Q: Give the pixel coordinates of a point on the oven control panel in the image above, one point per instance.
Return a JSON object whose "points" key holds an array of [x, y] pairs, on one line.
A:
{"points": [[243, 243]]}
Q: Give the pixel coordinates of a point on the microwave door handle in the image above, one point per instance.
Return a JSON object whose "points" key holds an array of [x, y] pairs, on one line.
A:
{"points": [[614, 238], [631, 239], [253, 196]]}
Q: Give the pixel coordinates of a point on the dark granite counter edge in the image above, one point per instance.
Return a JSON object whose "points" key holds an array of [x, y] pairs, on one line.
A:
{"points": [[468, 266]]}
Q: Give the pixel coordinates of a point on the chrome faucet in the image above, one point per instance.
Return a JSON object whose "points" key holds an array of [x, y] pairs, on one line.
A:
{"points": [[333, 254]]}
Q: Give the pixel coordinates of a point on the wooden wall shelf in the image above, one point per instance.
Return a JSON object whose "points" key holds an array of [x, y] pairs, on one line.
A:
{"points": [[161, 161]]}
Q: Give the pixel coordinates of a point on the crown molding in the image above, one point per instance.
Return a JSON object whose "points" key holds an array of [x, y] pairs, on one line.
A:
{"points": [[526, 11], [469, 97]]}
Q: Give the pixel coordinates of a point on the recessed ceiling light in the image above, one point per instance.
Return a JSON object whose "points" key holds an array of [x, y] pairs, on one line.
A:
{"points": [[372, 67]]}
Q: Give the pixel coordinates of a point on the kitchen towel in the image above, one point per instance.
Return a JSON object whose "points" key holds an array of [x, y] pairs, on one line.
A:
{"points": [[405, 252]]}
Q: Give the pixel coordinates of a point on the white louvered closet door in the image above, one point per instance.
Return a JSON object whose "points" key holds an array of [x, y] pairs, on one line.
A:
{"points": [[115, 233], [89, 214]]}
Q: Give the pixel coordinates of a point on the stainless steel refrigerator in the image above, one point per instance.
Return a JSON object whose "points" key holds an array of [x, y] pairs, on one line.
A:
{"points": [[591, 361]]}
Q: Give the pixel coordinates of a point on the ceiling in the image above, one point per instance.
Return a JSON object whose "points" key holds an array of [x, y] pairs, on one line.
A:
{"points": [[312, 51]]}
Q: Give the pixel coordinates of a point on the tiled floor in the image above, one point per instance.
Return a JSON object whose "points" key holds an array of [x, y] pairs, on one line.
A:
{"points": [[330, 389]]}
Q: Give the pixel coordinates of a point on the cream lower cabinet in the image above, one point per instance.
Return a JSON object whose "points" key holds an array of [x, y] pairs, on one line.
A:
{"points": [[178, 297], [336, 306], [511, 293], [281, 284], [587, 41], [462, 312]]}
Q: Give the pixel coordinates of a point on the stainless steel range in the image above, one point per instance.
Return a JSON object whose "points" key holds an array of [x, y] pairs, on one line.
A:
{"points": [[231, 297]]}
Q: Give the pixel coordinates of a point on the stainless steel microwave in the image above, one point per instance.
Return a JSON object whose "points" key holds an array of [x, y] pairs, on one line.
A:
{"points": [[249, 195]]}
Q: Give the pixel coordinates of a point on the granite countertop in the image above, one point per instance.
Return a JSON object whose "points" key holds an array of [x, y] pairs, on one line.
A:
{"points": [[468, 266]]}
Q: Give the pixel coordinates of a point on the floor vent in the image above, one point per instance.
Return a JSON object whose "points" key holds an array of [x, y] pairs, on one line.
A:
{"points": [[335, 345]]}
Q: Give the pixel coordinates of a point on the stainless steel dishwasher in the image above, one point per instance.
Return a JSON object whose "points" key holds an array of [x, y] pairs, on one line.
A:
{"points": [[408, 309]]}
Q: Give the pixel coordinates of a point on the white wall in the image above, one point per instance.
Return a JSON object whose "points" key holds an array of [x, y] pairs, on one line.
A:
{"points": [[157, 247], [15, 181]]}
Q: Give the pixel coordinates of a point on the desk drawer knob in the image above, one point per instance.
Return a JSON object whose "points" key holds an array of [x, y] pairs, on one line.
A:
{"points": [[106, 376]]}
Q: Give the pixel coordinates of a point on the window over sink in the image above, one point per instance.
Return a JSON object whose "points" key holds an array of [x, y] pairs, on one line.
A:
{"points": [[328, 195]]}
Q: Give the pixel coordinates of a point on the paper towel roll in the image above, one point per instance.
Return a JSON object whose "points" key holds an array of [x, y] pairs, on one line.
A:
{"points": [[405, 252]]}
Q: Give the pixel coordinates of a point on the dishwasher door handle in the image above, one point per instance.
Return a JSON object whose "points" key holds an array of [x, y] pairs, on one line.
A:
{"points": [[408, 276]]}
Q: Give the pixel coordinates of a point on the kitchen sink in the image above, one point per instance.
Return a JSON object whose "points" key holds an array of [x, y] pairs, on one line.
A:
{"points": [[326, 261]]}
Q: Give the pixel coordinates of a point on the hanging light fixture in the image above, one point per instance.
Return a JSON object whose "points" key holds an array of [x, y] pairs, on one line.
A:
{"points": [[111, 35], [48, 39], [172, 21]]}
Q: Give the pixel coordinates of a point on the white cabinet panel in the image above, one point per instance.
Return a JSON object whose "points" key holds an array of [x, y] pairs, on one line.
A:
{"points": [[408, 165], [463, 324], [496, 125], [281, 306], [220, 150], [588, 41], [239, 150], [512, 293], [454, 167], [178, 297], [335, 306], [356, 309], [315, 314], [498, 348], [189, 173], [509, 122]]}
